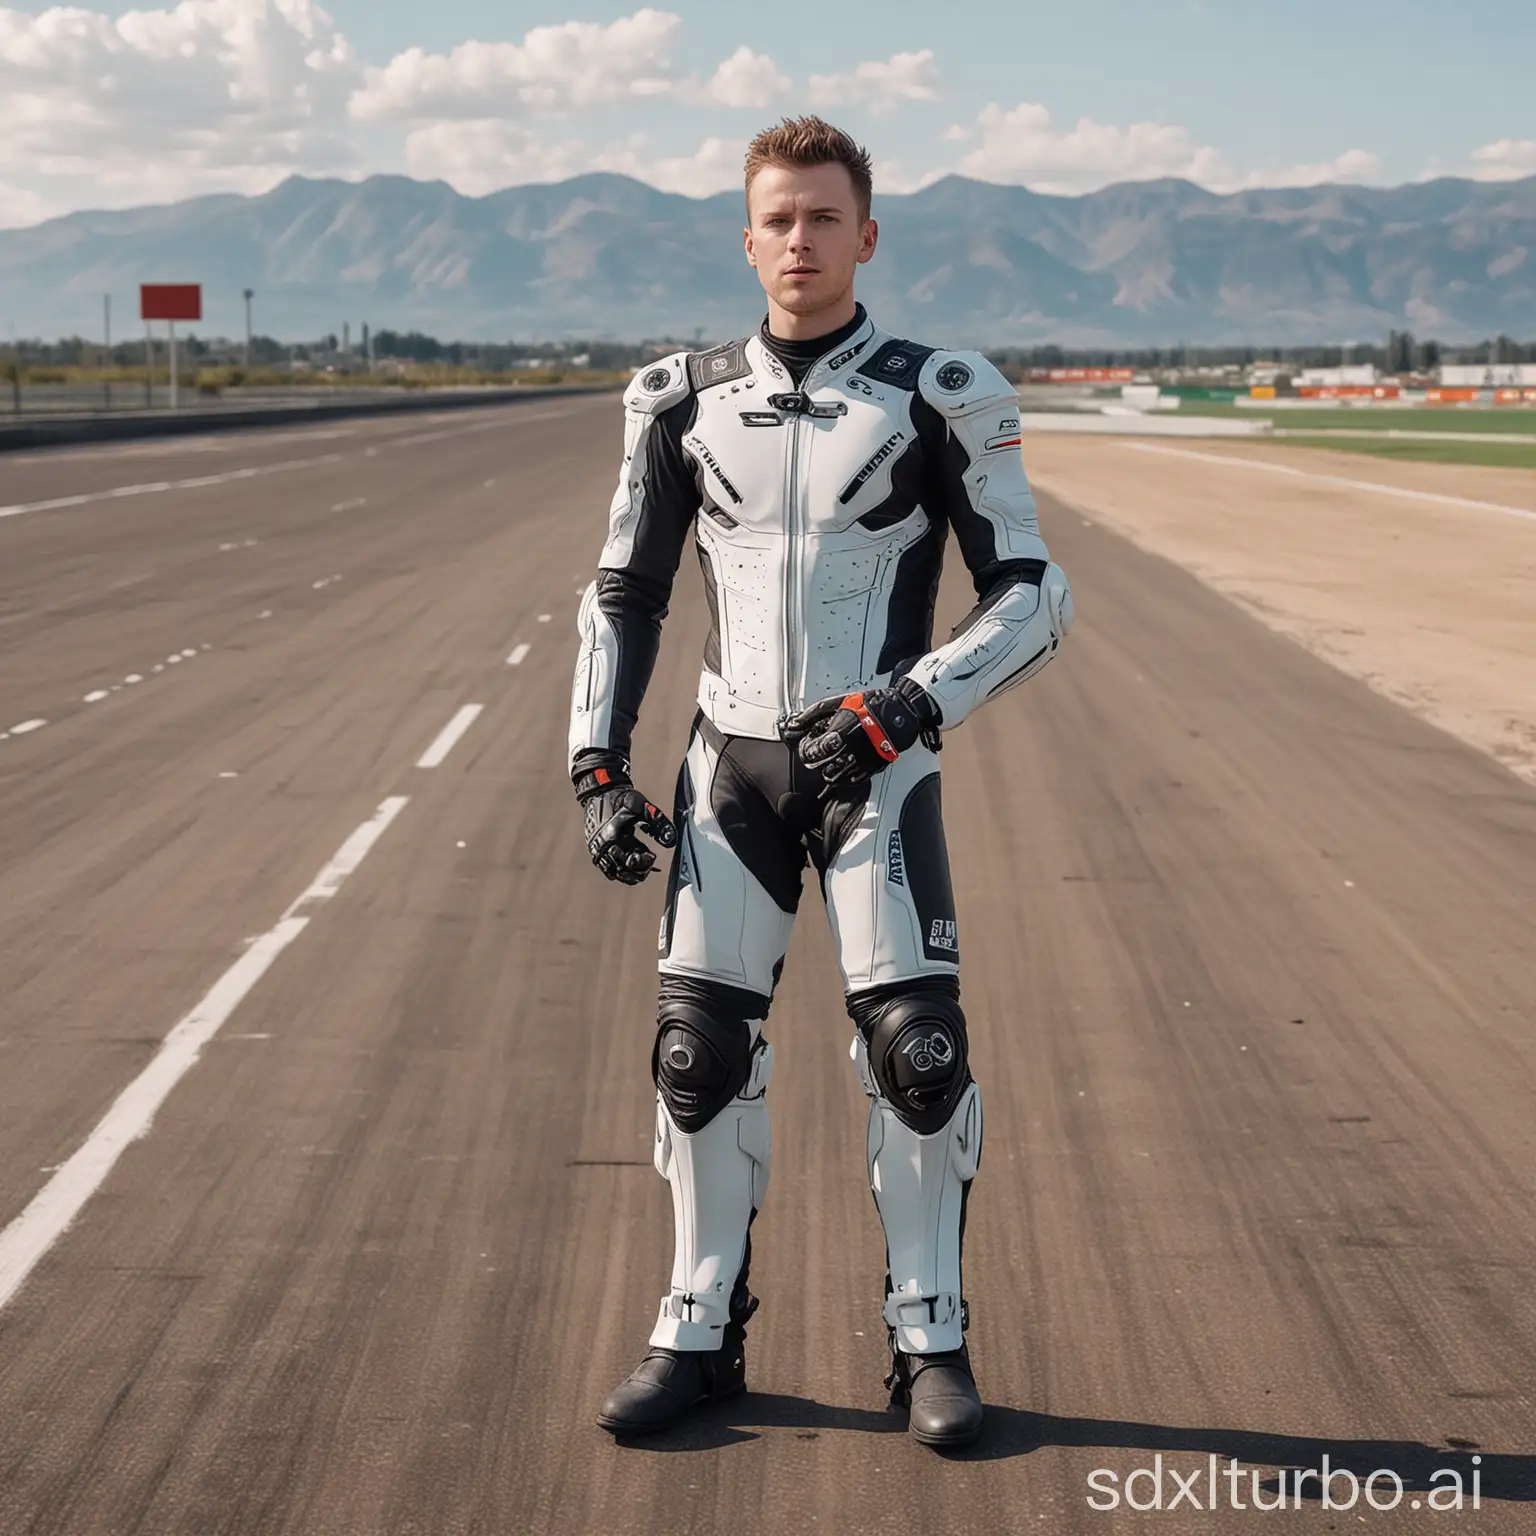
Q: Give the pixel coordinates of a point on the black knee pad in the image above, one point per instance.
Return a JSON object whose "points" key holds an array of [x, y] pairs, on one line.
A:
{"points": [[703, 1053], [914, 1034]]}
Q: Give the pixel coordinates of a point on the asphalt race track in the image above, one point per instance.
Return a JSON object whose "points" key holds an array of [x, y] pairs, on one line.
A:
{"points": [[1247, 955]]}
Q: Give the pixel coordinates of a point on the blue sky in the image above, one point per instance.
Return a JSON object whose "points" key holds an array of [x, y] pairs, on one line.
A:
{"points": [[100, 106]]}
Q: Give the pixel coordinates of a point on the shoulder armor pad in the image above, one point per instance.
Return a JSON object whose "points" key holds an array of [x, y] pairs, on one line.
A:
{"points": [[956, 383], [897, 362], [658, 385], [719, 365]]}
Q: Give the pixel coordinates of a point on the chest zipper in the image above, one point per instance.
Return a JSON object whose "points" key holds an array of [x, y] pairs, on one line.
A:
{"points": [[791, 564], [797, 405]]}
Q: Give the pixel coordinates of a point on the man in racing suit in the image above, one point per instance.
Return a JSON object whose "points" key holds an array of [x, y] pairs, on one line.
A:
{"points": [[819, 467]]}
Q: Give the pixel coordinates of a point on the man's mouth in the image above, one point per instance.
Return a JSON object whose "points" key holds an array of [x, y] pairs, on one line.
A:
{"points": [[801, 271]]}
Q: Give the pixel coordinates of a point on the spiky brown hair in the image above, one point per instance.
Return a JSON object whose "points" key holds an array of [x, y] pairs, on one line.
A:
{"points": [[812, 141]]}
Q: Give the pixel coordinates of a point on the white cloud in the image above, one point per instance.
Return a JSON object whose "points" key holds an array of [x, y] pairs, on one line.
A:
{"points": [[880, 85], [1505, 160], [715, 166], [553, 70], [1354, 166], [214, 92], [21, 206], [748, 79], [1020, 145], [482, 156]]}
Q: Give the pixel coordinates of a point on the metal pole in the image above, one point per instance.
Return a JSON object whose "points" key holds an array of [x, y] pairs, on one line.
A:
{"points": [[106, 375], [171, 325], [250, 293], [149, 367]]}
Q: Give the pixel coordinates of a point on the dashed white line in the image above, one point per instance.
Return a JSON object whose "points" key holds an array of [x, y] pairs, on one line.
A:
{"points": [[117, 493], [1268, 466], [98, 696], [518, 418], [229, 477], [347, 858], [448, 738], [544, 618], [53, 1209], [26, 727], [518, 653], [350, 506]]}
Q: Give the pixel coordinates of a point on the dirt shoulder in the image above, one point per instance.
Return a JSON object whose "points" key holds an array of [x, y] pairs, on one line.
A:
{"points": [[1431, 604]]}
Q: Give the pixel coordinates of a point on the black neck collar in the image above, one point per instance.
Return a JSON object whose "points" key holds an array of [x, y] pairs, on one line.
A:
{"points": [[798, 356]]}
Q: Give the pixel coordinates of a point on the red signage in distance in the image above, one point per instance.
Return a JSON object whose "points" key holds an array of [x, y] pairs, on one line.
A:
{"points": [[171, 301]]}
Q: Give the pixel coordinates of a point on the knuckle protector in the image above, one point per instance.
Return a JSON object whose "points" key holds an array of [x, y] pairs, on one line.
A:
{"points": [[918, 1055]]}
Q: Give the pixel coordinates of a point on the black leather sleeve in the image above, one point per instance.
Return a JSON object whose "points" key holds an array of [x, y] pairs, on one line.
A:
{"points": [[633, 593]]}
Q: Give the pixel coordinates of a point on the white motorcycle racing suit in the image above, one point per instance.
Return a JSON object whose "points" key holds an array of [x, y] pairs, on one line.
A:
{"points": [[820, 514]]}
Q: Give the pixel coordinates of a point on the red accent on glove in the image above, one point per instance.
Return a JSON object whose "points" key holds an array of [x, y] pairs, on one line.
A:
{"points": [[872, 727]]}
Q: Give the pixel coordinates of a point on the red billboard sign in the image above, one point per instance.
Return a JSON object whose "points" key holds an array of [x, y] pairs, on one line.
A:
{"points": [[171, 301]]}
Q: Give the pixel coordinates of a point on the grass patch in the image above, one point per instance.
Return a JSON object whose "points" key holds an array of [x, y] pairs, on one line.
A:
{"points": [[1412, 418], [1493, 455]]}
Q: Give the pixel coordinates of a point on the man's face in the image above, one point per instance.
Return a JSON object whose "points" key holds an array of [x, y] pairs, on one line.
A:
{"points": [[805, 236]]}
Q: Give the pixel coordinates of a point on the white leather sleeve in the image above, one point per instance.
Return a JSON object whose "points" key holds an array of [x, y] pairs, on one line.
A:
{"points": [[654, 389], [604, 696], [1025, 608]]}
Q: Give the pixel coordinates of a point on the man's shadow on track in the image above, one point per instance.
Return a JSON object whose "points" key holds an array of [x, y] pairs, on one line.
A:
{"points": [[1013, 1432]]}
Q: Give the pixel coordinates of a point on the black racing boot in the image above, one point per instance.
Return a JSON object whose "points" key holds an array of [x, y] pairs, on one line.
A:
{"points": [[939, 1393], [670, 1382]]}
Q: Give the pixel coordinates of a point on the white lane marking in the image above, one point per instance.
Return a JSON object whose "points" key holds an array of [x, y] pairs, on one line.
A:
{"points": [[59, 503], [1266, 466], [518, 653], [26, 727], [347, 858], [544, 618], [98, 696], [54, 1208], [517, 418], [117, 493], [134, 677], [324, 582], [172, 447], [350, 506], [448, 738]]}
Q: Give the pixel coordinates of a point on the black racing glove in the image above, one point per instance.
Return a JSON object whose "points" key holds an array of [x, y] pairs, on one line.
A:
{"points": [[852, 738], [613, 809]]}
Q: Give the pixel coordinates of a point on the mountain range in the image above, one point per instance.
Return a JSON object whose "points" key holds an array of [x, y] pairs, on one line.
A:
{"points": [[961, 261]]}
